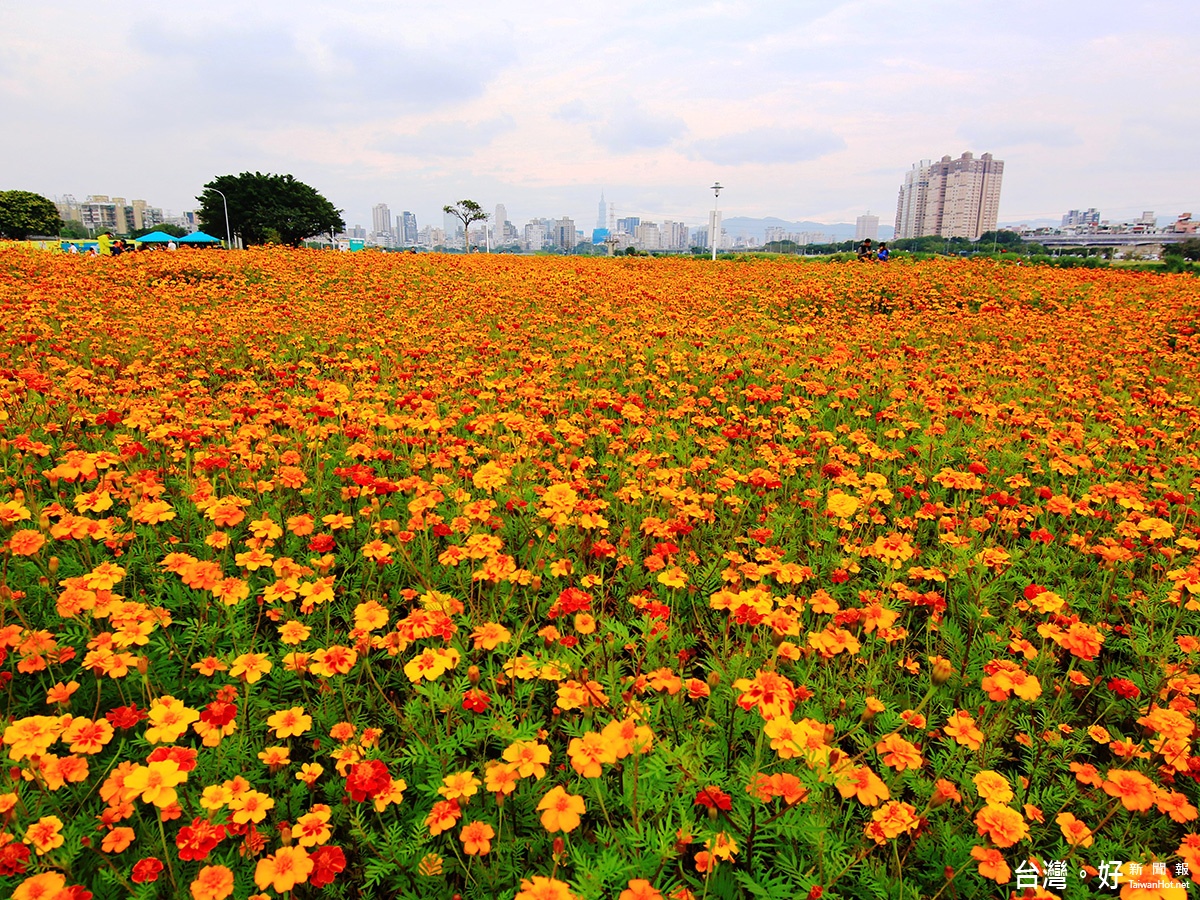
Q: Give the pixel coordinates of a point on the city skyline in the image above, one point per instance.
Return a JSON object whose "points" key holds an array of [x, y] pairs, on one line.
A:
{"points": [[802, 110]]}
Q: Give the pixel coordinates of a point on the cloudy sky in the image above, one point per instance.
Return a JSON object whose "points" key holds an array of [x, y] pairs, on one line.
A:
{"points": [[802, 110]]}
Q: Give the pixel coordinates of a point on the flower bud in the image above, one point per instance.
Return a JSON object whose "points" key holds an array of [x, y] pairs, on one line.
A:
{"points": [[714, 678], [942, 670], [52, 565], [473, 675]]}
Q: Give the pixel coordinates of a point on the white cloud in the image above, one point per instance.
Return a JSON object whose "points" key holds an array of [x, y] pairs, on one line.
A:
{"points": [[806, 109]]}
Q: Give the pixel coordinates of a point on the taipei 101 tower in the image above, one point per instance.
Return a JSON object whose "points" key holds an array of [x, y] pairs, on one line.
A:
{"points": [[600, 232]]}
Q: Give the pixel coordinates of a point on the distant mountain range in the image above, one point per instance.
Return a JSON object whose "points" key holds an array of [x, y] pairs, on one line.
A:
{"points": [[743, 226]]}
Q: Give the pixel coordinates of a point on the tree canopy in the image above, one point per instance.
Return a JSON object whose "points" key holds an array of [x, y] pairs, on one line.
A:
{"points": [[24, 213], [466, 211], [263, 206]]}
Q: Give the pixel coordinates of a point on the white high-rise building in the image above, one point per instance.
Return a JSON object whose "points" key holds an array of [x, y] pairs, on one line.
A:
{"points": [[498, 220], [866, 227], [381, 219], [535, 235], [950, 198], [602, 217], [648, 236]]}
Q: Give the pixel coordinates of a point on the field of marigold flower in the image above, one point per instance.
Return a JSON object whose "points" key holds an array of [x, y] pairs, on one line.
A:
{"points": [[353, 575]]}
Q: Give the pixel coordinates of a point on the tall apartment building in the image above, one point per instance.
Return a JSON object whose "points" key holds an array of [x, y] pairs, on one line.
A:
{"points": [[564, 233], [950, 198], [408, 229], [866, 227], [648, 236], [381, 219], [535, 235], [1079, 219], [497, 224]]}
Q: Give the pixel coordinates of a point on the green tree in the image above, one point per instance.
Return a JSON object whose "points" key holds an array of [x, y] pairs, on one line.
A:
{"points": [[266, 207], [72, 230], [1189, 249], [466, 211], [23, 213]]}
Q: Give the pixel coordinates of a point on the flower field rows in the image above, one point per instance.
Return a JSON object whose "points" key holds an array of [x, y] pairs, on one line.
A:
{"points": [[349, 575]]}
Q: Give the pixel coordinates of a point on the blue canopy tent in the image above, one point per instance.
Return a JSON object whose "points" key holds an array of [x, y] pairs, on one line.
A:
{"points": [[155, 237], [199, 238]]}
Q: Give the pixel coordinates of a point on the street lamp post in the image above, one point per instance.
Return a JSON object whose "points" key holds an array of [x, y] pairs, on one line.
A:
{"points": [[228, 233], [715, 227]]}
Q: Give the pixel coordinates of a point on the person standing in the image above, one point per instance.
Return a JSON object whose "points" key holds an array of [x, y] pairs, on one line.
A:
{"points": [[104, 244]]}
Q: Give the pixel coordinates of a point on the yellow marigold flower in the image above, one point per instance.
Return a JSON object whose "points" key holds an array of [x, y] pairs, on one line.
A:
{"points": [[993, 787], [459, 785], [169, 719], [291, 722], [250, 667], [529, 757]]}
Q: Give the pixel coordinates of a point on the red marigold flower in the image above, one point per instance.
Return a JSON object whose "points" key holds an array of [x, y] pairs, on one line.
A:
{"points": [[218, 713], [713, 797], [146, 870], [475, 700], [14, 858], [184, 757], [1125, 688], [321, 543], [125, 716], [327, 862], [197, 840], [366, 780]]}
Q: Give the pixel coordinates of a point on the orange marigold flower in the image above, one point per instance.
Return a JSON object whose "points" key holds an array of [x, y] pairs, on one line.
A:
{"points": [[26, 542], [944, 792], [640, 889], [1135, 790], [863, 784], [282, 871], [1074, 831], [961, 727], [898, 753], [1175, 805], [1086, 773], [443, 816], [117, 840], [477, 838], [891, 820], [501, 778], [1003, 825], [993, 787], [542, 888], [561, 811], [45, 834], [490, 635], [589, 752], [212, 883], [47, 886], [992, 864]]}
